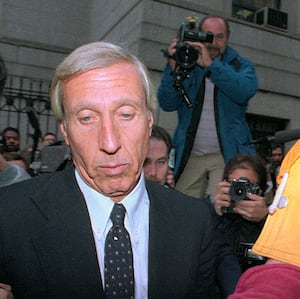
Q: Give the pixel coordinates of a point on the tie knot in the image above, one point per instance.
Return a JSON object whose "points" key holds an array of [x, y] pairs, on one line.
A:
{"points": [[117, 215]]}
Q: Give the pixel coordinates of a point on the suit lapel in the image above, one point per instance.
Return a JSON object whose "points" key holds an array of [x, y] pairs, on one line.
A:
{"points": [[65, 244], [165, 246], [174, 245]]}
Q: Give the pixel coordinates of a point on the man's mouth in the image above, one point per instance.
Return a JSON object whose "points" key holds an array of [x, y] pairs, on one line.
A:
{"points": [[112, 170], [214, 51]]}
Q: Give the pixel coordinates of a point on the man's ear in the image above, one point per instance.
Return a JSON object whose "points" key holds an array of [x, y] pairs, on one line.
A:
{"points": [[63, 130], [151, 120]]}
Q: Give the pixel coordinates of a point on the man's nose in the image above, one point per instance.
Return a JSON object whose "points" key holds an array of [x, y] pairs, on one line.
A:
{"points": [[109, 137], [151, 169], [214, 41]]}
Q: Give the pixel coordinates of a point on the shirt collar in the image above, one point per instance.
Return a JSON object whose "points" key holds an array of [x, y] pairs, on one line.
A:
{"points": [[100, 206]]}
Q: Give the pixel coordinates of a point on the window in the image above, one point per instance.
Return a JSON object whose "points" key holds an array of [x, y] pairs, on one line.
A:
{"points": [[263, 126], [245, 9]]}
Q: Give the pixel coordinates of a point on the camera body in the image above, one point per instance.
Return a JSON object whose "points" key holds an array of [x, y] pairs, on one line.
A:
{"points": [[188, 34], [186, 56], [238, 190]]}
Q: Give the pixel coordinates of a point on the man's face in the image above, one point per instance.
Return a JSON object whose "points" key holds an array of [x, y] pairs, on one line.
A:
{"points": [[49, 139], [277, 155], [12, 141], [156, 163], [107, 125], [218, 28]]}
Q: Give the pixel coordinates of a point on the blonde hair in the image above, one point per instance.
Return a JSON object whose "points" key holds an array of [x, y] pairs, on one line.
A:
{"points": [[92, 56]]}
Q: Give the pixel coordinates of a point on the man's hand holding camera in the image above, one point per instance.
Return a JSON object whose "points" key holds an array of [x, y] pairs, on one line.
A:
{"points": [[171, 52], [205, 57], [222, 198], [253, 208]]}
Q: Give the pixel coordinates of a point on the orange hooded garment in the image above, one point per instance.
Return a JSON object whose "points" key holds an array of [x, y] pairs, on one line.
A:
{"points": [[280, 237]]}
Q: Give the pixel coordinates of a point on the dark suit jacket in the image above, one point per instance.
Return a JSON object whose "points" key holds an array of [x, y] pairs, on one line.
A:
{"points": [[47, 247]]}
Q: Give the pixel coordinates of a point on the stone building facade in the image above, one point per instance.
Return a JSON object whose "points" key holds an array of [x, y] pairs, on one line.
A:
{"points": [[35, 35]]}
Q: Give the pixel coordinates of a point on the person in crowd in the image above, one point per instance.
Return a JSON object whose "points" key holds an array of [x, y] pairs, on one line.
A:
{"points": [[15, 158], [279, 241], [242, 201], [156, 169], [73, 221], [11, 139], [49, 138], [11, 172], [156, 165], [277, 155], [214, 129]]}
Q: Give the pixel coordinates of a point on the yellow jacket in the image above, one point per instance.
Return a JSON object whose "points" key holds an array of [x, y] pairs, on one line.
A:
{"points": [[280, 237]]}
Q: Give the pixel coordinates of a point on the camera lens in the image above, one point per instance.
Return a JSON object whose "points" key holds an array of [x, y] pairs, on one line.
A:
{"points": [[238, 191], [186, 56]]}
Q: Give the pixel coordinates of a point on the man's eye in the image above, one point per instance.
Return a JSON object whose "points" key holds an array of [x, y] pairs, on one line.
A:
{"points": [[220, 36], [127, 115], [161, 163], [85, 118]]}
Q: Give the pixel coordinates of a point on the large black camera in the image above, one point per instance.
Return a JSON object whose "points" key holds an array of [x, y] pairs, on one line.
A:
{"points": [[238, 191], [186, 56]]}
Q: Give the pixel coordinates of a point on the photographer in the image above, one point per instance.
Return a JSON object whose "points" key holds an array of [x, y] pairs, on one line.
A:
{"points": [[242, 201], [219, 88]]}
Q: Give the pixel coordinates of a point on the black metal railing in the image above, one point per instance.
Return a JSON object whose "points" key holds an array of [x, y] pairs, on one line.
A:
{"points": [[24, 94]]}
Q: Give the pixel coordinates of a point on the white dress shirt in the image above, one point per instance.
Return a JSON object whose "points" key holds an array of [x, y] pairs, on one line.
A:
{"points": [[136, 222]]}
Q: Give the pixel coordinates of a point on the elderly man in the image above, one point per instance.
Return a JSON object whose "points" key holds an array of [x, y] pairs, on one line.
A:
{"points": [[98, 230]]}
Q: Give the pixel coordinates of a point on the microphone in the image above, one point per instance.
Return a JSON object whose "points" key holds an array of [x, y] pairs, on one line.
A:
{"points": [[279, 137]]}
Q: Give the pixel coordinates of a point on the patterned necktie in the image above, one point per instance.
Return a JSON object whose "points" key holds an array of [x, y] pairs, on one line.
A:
{"points": [[118, 259]]}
